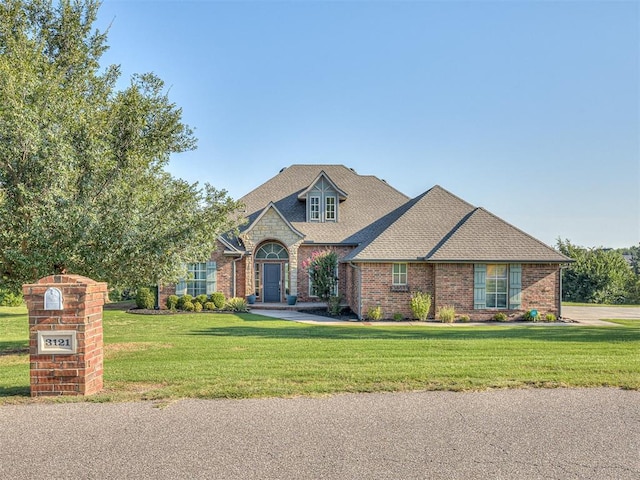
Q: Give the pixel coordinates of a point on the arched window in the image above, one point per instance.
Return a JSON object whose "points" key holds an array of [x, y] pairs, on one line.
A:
{"points": [[272, 251]]}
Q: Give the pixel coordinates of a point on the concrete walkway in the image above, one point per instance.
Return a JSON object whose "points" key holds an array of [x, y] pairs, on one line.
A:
{"points": [[573, 315]]}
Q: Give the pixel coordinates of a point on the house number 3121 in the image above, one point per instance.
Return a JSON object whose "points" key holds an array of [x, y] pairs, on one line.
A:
{"points": [[57, 342]]}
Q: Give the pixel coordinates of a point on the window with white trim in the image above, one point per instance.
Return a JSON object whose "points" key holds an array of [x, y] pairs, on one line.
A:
{"points": [[399, 274], [197, 279], [330, 208], [314, 209], [497, 286]]}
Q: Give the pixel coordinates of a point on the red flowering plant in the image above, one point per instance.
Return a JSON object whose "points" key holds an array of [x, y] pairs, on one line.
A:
{"points": [[322, 267]]}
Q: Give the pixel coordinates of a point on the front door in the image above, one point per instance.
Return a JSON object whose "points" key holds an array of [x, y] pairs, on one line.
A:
{"points": [[271, 285]]}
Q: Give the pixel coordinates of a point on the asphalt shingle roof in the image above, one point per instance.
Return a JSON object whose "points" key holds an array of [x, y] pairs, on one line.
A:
{"points": [[386, 225]]}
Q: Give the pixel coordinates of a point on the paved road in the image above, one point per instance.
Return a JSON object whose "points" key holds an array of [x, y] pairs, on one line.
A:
{"points": [[507, 434]]}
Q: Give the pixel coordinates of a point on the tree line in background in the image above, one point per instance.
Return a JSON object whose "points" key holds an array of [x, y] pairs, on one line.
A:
{"points": [[601, 275]]}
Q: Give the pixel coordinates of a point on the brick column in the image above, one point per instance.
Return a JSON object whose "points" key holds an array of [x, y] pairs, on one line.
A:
{"points": [[65, 335]]}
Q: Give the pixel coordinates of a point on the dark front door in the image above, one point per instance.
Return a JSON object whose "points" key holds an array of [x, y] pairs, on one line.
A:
{"points": [[271, 282]]}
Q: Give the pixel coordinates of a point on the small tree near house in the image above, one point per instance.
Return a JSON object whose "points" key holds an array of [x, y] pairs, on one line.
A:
{"points": [[322, 267]]}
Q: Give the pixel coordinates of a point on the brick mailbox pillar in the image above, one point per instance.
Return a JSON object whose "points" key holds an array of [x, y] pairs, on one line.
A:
{"points": [[65, 335]]}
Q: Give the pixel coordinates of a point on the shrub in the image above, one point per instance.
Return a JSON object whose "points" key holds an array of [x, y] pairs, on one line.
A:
{"points": [[10, 299], [398, 317], [197, 307], [374, 313], [550, 317], [464, 318], [237, 304], [145, 298], [420, 305], [172, 302], [447, 314], [209, 306], [184, 299], [188, 306], [202, 299], [333, 305], [500, 317], [218, 299]]}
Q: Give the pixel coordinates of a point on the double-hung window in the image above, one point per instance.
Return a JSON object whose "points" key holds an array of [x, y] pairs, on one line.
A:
{"points": [[197, 279], [330, 208], [399, 274], [314, 209], [497, 286]]}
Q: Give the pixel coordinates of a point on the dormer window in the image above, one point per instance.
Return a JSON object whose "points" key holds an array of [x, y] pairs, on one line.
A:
{"points": [[314, 209], [330, 209], [322, 198]]}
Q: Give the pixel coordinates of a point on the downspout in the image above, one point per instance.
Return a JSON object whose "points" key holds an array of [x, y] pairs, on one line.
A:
{"points": [[359, 289]]}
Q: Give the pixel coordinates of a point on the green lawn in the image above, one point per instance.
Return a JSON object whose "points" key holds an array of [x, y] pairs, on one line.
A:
{"points": [[241, 356]]}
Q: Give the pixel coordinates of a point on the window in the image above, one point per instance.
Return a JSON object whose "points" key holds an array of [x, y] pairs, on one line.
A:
{"points": [[272, 251], [330, 208], [201, 279], [497, 286], [314, 209], [399, 274], [197, 279]]}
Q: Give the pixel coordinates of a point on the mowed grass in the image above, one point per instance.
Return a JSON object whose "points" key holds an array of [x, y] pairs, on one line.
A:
{"points": [[241, 356]]}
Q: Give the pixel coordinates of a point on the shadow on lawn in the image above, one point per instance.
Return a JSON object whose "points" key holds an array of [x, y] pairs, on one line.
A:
{"points": [[300, 331]]}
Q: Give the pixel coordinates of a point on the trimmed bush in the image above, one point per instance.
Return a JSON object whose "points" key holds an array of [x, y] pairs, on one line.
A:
{"points": [[420, 305], [188, 306], [374, 313], [550, 317], [197, 307], [500, 317], [464, 318], [184, 299], [209, 306], [218, 300], [172, 302], [145, 298], [202, 299], [398, 317], [446, 314]]}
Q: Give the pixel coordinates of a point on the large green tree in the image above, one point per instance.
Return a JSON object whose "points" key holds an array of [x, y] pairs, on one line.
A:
{"points": [[598, 275], [83, 186]]}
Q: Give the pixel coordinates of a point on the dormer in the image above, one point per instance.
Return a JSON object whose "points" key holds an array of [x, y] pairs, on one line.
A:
{"points": [[322, 199]]}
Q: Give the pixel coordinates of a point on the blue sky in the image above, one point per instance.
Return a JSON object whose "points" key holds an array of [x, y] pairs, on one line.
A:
{"points": [[530, 109]]}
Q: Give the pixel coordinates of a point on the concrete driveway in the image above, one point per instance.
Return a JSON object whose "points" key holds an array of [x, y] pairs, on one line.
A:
{"points": [[504, 434], [595, 315]]}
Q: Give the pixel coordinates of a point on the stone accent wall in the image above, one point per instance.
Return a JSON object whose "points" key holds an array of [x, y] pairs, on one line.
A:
{"points": [[271, 227], [78, 373]]}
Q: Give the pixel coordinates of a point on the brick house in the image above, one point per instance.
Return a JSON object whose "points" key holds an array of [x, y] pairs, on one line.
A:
{"points": [[388, 245]]}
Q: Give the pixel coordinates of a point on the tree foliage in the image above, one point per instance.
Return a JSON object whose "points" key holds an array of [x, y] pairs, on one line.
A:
{"points": [[83, 186], [322, 267], [598, 276]]}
